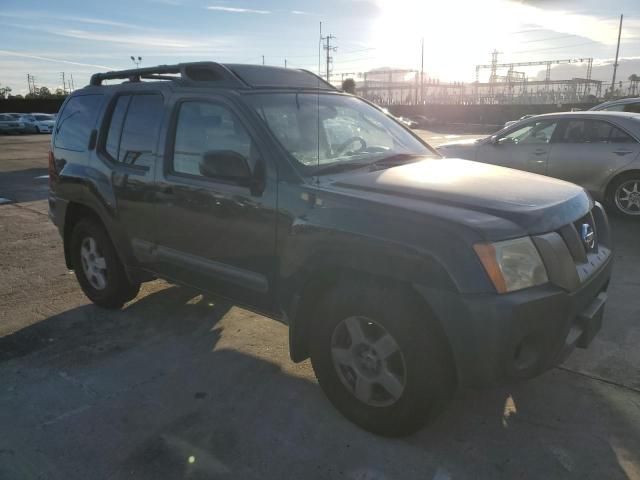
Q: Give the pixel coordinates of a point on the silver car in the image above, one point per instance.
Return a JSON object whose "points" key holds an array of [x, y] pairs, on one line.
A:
{"points": [[597, 150], [8, 124], [621, 105]]}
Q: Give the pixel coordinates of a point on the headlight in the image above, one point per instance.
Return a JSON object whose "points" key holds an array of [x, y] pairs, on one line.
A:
{"points": [[512, 264]]}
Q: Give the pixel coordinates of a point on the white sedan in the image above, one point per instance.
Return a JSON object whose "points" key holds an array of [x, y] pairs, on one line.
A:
{"points": [[38, 122]]}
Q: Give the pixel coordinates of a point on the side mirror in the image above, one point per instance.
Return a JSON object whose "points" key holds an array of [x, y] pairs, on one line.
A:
{"points": [[226, 164]]}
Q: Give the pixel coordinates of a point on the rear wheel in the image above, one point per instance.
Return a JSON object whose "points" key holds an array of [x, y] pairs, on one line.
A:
{"points": [[624, 195], [380, 359], [98, 269]]}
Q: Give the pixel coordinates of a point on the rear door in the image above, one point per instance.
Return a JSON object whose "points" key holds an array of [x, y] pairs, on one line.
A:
{"points": [[587, 152], [526, 147], [129, 147]]}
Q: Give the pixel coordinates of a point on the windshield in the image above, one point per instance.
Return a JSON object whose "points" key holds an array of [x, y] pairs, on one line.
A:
{"points": [[350, 130]]}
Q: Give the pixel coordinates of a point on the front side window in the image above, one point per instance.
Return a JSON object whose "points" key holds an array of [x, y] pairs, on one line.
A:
{"points": [[206, 129], [322, 129], [76, 121], [531, 133], [140, 129]]}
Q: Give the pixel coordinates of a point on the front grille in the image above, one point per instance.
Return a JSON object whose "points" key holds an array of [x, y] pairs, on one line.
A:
{"points": [[570, 259]]}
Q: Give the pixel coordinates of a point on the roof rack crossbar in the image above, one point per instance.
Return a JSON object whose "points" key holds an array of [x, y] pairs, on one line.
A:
{"points": [[193, 71]]}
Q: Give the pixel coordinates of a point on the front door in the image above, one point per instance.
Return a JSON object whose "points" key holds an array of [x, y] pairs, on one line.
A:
{"points": [[216, 230], [525, 148]]}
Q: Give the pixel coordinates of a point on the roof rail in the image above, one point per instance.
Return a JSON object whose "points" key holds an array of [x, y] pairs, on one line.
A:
{"points": [[193, 71]]}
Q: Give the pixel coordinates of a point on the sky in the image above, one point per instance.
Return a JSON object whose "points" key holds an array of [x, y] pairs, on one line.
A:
{"points": [[81, 37]]}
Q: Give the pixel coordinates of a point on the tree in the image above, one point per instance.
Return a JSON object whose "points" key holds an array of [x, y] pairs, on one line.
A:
{"points": [[60, 92], [44, 92], [349, 85], [5, 92]]}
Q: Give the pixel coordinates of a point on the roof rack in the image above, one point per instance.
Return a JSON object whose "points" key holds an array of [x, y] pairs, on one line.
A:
{"points": [[193, 71], [229, 75]]}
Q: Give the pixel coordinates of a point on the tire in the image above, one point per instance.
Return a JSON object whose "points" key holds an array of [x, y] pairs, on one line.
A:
{"points": [[107, 287], [422, 362], [626, 186]]}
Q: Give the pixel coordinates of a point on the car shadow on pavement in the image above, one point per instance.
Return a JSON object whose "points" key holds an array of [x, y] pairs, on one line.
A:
{"points": [[172, 387]]}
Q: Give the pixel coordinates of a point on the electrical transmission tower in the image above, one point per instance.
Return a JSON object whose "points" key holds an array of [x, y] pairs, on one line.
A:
{"points": [[329, 49], [31, 82]]}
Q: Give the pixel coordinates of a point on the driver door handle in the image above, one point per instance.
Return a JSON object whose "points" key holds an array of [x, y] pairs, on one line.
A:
{"points": [[540, 151]]}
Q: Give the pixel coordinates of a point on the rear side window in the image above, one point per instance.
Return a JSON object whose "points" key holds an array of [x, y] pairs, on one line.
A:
{"points": [[632, 107], [593, 131], [76, 121], [115, 127], [133, 129]]}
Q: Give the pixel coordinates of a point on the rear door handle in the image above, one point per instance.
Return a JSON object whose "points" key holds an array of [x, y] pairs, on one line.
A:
{"points": [[540, 151], [622, 152]]}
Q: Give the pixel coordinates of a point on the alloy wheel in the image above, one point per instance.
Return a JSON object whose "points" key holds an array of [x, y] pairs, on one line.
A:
{"points": [[94, 264], [627, 197], [368, 361]]}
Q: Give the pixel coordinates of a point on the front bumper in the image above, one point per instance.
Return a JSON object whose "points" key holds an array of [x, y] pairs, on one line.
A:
{"points": [[496, 339]]}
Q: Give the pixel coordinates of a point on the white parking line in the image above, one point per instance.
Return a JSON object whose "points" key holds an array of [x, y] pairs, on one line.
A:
{"points": [[4, 200], [41, 177]]}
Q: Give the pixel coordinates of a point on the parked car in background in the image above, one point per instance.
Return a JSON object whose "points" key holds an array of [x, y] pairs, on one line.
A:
{"points": [[511, 122], [622, 105], [38, 122], [597, 150], [8, 124], [15, 116]]}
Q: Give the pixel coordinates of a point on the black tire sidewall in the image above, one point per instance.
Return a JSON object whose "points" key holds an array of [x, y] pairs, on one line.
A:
{"points": [[430, 379], [118, 287]]}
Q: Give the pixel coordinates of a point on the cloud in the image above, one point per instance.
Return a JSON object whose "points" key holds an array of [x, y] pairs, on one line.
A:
{"points": [[71, 18], [49, 59], [237, 10], [129, 39], [299, 12]]}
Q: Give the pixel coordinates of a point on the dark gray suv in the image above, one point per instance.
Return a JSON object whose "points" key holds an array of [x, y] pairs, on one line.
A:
{"points": [[400, 274]]}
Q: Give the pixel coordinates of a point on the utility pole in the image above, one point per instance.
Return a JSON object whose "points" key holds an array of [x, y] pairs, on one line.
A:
{"points": [[73, 85], [29, 83], [285, 63], [64, 83], [422, 73], [615, 64], [262, 59], [329, 49]]}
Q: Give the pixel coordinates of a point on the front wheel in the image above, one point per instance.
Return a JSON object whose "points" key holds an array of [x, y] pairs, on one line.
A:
{"points": [[624, 195], [381, 359], [98, 269]]}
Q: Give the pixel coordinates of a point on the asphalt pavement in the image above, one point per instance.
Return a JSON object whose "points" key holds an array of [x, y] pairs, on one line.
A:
{"points": [[179, 385]]}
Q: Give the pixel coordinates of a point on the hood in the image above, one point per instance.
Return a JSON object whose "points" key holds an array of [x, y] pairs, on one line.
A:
{"points": [[536, 204], [467, 142]]}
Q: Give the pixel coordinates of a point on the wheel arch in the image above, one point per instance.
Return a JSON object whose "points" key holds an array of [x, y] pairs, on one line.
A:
{"points": [[74, 213], [320, 281]]}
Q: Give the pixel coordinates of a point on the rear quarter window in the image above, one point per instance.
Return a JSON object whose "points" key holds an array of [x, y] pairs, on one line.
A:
{"points": [[76, 121]]}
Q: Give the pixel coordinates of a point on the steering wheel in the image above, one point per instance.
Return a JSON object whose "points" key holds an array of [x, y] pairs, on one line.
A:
{"points": [[343, 146]]}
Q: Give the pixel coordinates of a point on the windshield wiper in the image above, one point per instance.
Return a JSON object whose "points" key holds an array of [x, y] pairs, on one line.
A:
{"points": [[394, 160], [337, 167]]}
